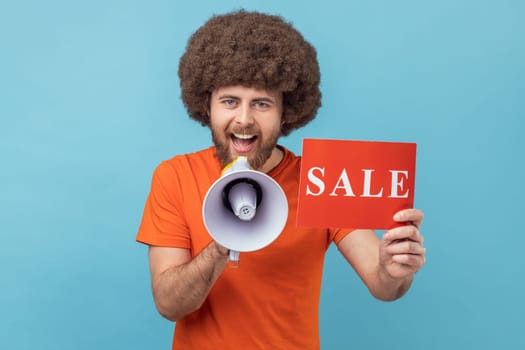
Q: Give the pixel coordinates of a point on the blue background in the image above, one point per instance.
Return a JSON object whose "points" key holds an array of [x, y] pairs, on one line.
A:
{"points": [[89, 105]]}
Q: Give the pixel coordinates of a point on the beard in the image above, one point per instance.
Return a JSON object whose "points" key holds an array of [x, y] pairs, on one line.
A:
{"points": [[260, 154]]}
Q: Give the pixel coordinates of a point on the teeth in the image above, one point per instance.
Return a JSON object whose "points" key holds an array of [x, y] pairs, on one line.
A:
{"points": [[243, 136]]}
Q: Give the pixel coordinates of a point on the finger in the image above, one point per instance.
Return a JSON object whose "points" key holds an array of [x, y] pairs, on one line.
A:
{"points": [[400, 271], [414, 216], [405, 247], [409, 260], [409, 232]]}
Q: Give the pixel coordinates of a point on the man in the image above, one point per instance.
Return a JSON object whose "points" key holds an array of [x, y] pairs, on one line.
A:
{"points": [[251, 78]]}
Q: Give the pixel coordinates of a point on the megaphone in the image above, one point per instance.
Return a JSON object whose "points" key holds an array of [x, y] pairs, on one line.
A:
{"points": [[245, 209]]}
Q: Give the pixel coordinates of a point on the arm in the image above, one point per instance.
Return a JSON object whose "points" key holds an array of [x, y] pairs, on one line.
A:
{"points": [[387, 266], [181, 284]]}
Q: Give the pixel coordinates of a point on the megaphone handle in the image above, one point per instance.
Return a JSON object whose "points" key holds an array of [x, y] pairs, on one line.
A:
{"points": [[234, 258]]}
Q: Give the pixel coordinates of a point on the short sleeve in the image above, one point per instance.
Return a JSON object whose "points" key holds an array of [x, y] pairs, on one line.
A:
{"points": [[337, 234], [163, 223]]}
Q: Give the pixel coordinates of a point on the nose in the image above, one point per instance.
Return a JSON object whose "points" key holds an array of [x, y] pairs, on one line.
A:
{"points": [[244, 115]]}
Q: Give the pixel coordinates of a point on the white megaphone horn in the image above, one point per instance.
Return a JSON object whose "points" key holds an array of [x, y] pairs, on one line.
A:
{"points": [[245, 209]]}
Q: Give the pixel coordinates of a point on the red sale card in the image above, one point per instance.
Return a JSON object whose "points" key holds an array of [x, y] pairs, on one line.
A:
{"points": [[355, 184]]}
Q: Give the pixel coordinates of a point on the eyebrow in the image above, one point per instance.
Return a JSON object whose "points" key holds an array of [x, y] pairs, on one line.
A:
{"points": [[264, 99], [258, 99]]}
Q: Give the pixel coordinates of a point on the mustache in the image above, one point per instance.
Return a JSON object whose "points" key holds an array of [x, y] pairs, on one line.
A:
{"points": [[243, 130]]}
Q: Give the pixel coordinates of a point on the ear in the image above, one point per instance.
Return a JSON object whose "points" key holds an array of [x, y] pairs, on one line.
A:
{"points": [[285, 124], [207, 103], [206, 120]]}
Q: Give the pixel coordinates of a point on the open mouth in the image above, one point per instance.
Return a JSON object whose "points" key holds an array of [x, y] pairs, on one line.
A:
{"points": [[243, 143]]}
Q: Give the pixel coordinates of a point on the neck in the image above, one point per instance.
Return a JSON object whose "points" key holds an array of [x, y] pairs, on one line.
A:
{"points": [[273, 161]]}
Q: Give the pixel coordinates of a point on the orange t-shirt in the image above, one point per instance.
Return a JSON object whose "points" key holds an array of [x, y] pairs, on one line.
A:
{"points": [[272, 299]]}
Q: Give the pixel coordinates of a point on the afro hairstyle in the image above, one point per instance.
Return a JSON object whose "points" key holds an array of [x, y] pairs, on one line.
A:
{"points": [[255, 50]]}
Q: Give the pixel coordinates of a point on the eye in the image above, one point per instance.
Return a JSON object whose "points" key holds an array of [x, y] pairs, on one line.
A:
{"points": [[229, 102], [262, 105]]}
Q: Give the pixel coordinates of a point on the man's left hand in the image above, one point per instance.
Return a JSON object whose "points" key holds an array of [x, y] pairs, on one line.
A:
{"points": [[401, 252]]}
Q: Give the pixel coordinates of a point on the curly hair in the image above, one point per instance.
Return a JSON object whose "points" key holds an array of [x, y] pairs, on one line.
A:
{"points": [[256, 50]]}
